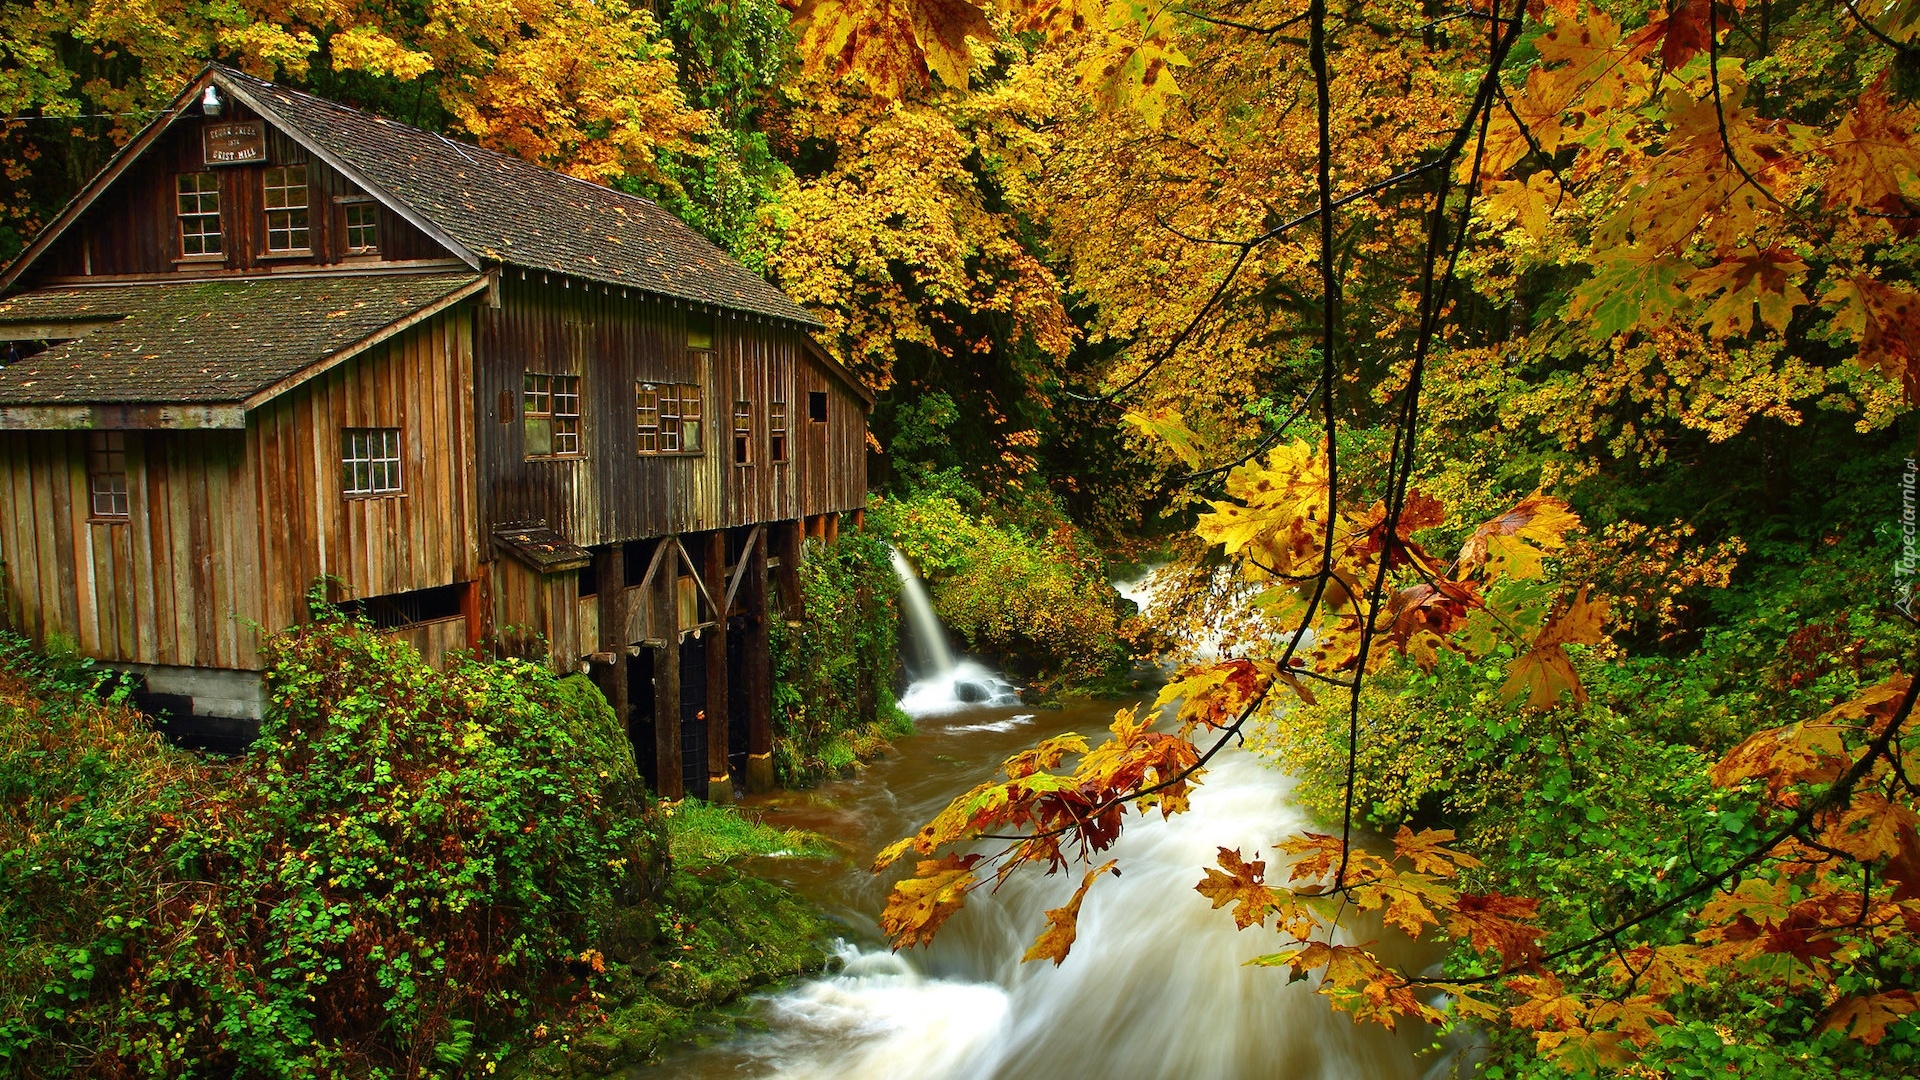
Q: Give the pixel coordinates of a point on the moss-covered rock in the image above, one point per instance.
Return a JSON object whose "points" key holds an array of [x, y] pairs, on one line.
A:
{"points": [[715, 935]]}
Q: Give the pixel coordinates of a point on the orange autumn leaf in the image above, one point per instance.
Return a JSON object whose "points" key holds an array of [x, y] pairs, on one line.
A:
{"points": [[1866, 1018], [1242, 885], [1517, 541], [919, 904], [1063, 923]]}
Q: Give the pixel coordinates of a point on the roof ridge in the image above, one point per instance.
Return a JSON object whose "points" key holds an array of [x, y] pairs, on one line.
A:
{"points": [[460, 145]]}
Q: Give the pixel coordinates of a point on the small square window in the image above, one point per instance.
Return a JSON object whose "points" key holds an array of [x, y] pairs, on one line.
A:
{"points": [[369, 461], [107, 473], [363, 227], [776, 431], [286, 202], [817, 406], [743, 433]]}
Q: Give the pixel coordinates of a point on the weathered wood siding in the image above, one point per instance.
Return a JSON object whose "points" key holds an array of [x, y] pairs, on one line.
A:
{"points": [[134, 229], [175, 582], [421, 382], [611, 493], [226, 530]]}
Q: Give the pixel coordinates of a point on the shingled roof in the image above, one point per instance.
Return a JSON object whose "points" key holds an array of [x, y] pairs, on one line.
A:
{"points": [[502, 208], [201, 341]]}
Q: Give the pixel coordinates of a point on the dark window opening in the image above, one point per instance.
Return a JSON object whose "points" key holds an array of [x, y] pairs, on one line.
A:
{"points": [[699, 330], [589, 581], [743, 433], [397, 611], [107, 473], [817, 406]]}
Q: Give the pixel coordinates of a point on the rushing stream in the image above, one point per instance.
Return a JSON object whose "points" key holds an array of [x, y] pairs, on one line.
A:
{"points": [[1155, 986]]}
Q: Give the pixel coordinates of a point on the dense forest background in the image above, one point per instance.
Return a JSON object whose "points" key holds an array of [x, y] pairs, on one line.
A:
{"points": [[1615, 301]]}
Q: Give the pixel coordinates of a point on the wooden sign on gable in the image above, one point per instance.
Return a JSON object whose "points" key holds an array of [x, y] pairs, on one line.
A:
{"points": [[235, 142]]}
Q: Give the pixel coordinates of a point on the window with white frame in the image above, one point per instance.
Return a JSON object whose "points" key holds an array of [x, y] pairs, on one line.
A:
{"points": [[363, 227], [369, 461], [550, 406], [286, 202], [107, 473], [198, 205]]}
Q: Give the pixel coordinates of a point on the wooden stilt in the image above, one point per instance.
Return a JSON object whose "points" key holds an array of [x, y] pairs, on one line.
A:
{"points": [[791, 535], [758, 674], [719, 783], [830, 529], [610, 570], [666, 678]]}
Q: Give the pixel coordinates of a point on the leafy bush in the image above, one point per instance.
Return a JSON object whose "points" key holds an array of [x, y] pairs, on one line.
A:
{"points": [[833, 669], [1031, 592], [405, 871]]}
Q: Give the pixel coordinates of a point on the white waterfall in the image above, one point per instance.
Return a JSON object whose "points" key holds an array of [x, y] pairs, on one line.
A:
{"points": [[944, 683]]}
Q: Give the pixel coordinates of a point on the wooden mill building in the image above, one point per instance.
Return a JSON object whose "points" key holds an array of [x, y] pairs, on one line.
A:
{"points": [[280, 342]]}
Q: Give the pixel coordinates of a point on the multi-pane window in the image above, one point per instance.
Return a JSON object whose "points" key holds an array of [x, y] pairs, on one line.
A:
{"points": [[287, 208], [107, 473], [776, 431], [550, 405], [369, 461], [646, 417], [199, 209], [667, 418], [363, 227], [743, 433]]}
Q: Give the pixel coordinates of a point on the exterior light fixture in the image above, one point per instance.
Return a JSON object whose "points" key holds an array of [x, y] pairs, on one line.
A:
{"points": [[210, 102]]}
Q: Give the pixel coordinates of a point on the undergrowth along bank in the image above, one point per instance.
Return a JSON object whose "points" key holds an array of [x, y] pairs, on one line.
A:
{"points": [[835, 661]]}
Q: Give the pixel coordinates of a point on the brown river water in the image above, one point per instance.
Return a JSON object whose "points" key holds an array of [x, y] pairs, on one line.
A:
{"points": [[1156, 985]]}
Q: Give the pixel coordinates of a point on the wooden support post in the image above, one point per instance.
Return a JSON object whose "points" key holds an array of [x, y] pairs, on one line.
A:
{"points": [[758, 665], [719, 782], [610, 570], [860, 518], [791, 537], [831, 529], [666, 678]]}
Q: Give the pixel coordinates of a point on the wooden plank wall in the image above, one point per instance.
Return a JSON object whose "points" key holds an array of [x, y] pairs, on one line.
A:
{"points": [[614, 494], [421, 382], [175, 582], [133, 227]]}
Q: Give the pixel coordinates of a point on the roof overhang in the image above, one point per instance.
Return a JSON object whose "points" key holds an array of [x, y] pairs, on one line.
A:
{"points": [[123, 417], [542, 549], [838, 370], [328, 363]]}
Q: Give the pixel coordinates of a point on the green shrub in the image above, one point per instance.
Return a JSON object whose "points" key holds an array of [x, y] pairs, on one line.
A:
{"points": [[833, 669], [1031, 594], [406, 871]]}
